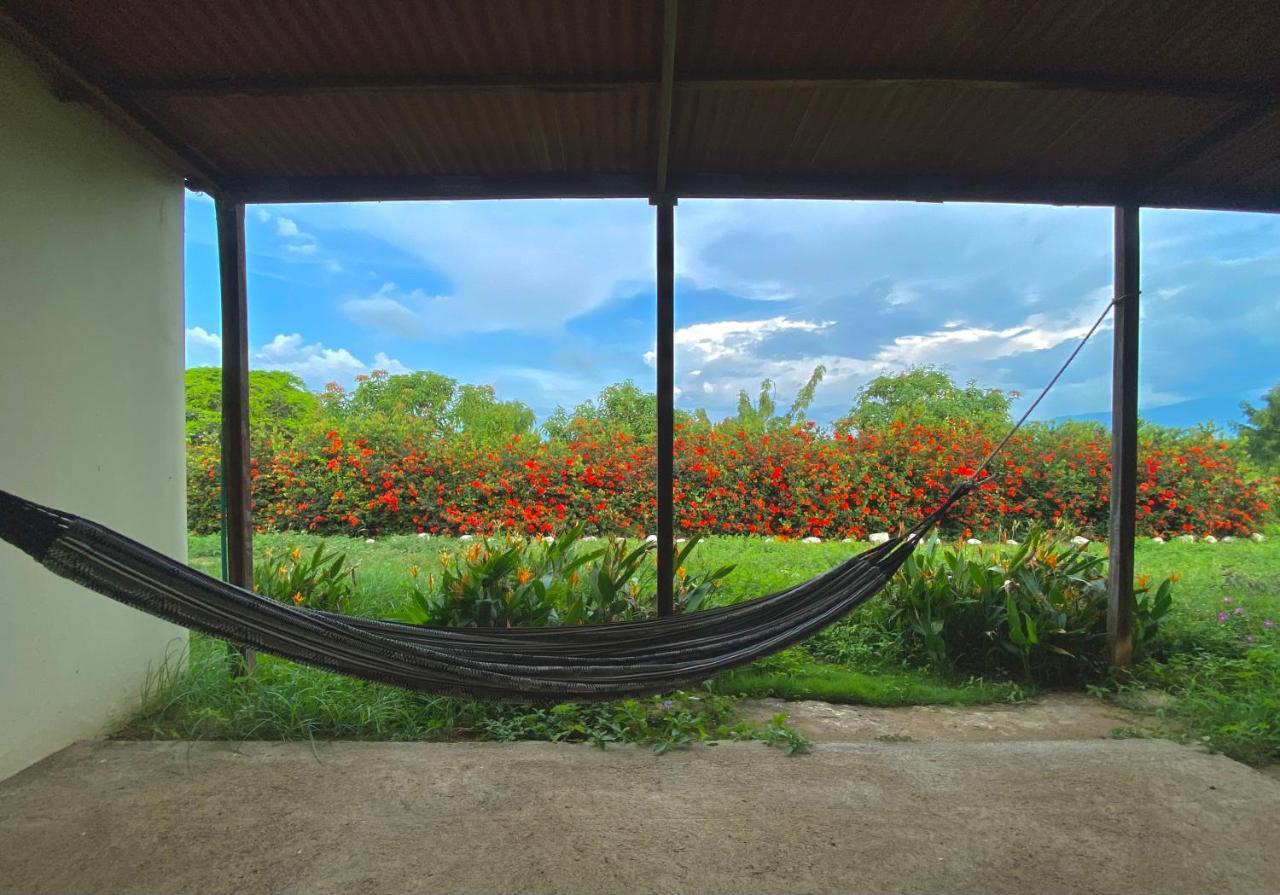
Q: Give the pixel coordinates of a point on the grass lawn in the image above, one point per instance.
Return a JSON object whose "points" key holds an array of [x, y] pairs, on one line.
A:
{"points": [[1224, 676]]}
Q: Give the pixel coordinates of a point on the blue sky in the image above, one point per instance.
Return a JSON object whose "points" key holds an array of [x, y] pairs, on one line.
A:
{"points": [[550, 300]]}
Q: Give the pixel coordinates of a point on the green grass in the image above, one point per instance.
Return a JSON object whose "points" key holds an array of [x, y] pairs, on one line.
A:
{"points": [[1226, 690], [832, 683]]}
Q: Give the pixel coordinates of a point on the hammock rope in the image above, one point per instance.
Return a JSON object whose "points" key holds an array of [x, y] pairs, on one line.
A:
{"points": [[526, 664]]}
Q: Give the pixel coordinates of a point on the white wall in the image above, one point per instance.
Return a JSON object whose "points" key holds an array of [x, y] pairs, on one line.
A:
{"points": [[91, 401]]}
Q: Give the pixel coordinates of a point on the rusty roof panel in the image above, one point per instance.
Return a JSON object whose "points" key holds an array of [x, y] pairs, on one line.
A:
{"points": [[1193, 40], [427, 133], [932, 129], [1162, 101], [160, 40]]}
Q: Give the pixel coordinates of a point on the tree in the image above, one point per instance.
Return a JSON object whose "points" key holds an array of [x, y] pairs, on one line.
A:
{"points": [[621, 407], [1261, 432], [423, 396], [762, 416], [926, 396], [389, 407], [477, 412], [279, 404]]}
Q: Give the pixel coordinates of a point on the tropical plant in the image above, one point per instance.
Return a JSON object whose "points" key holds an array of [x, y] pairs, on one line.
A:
{"points": [[321, 580], [1038, 611]]}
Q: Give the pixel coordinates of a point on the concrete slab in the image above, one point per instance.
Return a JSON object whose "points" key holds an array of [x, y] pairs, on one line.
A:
{"points": [[1054, 716], [1097, 816]]}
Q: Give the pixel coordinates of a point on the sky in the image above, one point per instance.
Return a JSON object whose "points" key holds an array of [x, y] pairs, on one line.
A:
{"points": [[550, 300]]}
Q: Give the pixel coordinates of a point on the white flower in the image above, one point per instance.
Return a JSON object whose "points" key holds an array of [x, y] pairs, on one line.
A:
{"points": [[1210, 539], [368, 540], [846, 540], [682, 540], [1257, 536], [879, 537], [1190, 539], [652, 539], [1229, 539], [1157, 540], [590, 538], [1080, 540], [1011, 542], [974, 542], [547, 539], [466, 537], [812, 540], [423, 534]]}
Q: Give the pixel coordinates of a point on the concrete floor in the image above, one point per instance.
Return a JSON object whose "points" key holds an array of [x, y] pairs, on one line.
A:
{"points": [[1098, 816]]}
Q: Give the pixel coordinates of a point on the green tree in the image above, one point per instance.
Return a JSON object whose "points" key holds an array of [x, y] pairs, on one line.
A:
{"points": [[621, 407], [423, 396], [279, 404], [762, 416], [477, 412], [926, 396], [1261, 431], [391, 408]]}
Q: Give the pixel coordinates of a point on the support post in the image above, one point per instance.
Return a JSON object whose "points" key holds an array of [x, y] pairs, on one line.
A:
{"points": [[665, 359], [1124, 438], [238, 518]]}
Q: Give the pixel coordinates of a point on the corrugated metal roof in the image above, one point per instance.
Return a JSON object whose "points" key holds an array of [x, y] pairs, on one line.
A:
{"points": [[1170, 102]]}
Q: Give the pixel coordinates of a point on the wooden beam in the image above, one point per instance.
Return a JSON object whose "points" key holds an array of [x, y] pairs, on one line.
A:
{"points": [[200, 88], [639, 185], [665, 361], [666, 87], [1191, 152], [236, 481], [1124, 438], [69, 82]]}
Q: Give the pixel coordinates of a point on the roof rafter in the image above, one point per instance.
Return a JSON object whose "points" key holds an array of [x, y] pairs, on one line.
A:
{"points": [[196, 88], [666, 89], [1052, 191], [71, 83]]}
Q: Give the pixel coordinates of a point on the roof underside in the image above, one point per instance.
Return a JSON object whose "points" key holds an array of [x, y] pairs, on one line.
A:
{"points": [[1158, 102]]}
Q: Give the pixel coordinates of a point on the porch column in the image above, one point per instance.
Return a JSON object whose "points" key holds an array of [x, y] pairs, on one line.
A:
{"points": [[237, 515], [665, 361], [1124, 438]]}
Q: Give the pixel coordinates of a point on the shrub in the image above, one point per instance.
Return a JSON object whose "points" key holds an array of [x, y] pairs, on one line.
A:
{"points": [[515, 582], [792, 483], [1038, 611]]}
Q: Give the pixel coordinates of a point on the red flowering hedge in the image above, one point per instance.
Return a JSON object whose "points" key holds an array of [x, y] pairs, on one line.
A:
{"points": [[793, 484]]}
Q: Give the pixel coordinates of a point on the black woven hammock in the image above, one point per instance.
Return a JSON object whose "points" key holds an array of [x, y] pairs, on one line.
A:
{"points": [[534, 664]]}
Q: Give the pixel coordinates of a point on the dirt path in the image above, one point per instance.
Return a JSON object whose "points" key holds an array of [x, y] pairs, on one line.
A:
{"points": [[1057, 716], [1094, 816]]}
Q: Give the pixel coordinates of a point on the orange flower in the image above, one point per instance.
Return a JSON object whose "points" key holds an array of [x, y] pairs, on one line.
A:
{"points": [[298, 598], [524, 576]]}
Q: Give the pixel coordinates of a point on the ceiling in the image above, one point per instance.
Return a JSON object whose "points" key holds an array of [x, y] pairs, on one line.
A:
{"points": [[1169, 103]]}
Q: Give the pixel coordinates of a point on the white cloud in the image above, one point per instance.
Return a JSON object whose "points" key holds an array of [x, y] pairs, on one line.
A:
{"points": [[305, 248], [316, 364], [388, 364], [528, 266], [410, 315], [286, 227], [198, 338], [733, 338]]}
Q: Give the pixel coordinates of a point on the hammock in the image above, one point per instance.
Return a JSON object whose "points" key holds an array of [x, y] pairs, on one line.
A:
{"points": [[538, 664], [526, 664]]}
